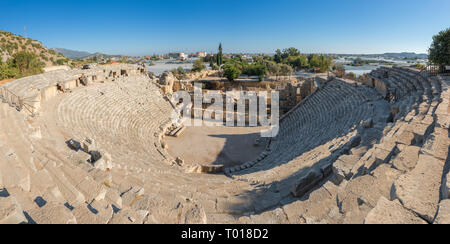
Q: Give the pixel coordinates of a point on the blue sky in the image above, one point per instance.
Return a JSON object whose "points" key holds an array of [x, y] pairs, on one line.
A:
{"points": [[144, 27]]}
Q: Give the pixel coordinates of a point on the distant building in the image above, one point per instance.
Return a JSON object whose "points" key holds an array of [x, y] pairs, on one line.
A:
{"points": [[202, 54], [181, 56]]}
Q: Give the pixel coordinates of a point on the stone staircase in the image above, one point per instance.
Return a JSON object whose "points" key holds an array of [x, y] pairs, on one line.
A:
{"points": [[401, 179]]}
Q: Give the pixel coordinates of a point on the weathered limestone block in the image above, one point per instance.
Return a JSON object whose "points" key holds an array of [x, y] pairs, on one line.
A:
{"points": [[387, 212], [67, 86], [437, 144], [131, 217], [344, 165], [92, 190], [446, 187], [359, 195], [193, 214], [307, 182], [420, 130], [443, 121], [384, 176], [97, 212], [10, 211], [443, 115], [14, 174], [235, 205], [380, 154], [48, 93], [73, 145], [419, 189], [349, 201], [88, 145], [407, 159], [383, 155], [167, 79], [405, 137], [319, 206], [105, 162], [35, 102], [68, 190], [269, 217], [443, 216], [206, 169], [114, 197], [82, 157], [52, 214], [295, 212]]}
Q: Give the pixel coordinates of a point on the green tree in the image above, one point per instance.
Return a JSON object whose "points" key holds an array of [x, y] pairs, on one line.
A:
{"points": [[220, 56], [231, 72], [273, 69], [286, 70], [298, 62], [257, 69], [325, 63], [314, 61], [278, 58], [321, 62], [290, 52], [439, 52]]}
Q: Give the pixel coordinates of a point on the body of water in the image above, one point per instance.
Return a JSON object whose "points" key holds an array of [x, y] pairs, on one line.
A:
{"points": [[365, 69], [360, 70], [166, 65]]}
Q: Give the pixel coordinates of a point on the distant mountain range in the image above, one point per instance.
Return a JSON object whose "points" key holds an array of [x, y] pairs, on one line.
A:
{"points": [[405, 55], [101, 55], [402, 55], [72, 54]]}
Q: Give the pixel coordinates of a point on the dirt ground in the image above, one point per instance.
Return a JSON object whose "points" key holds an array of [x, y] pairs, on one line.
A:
{"points": [[220, 145], [2, 82]]}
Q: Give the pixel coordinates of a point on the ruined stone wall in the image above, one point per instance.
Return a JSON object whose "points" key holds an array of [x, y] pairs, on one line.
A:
{"points": [[30, 91]]}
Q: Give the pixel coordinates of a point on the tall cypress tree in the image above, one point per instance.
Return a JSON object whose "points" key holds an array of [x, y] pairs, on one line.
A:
{"points": [[220, 56]]}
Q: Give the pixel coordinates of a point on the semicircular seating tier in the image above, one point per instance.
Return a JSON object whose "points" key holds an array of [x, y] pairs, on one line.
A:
{"points": [[349, 153]]}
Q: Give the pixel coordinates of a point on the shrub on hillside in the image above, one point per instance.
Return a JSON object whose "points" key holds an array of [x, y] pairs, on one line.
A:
{"points": [[7, 71], [22, 64], [60, 62]]}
